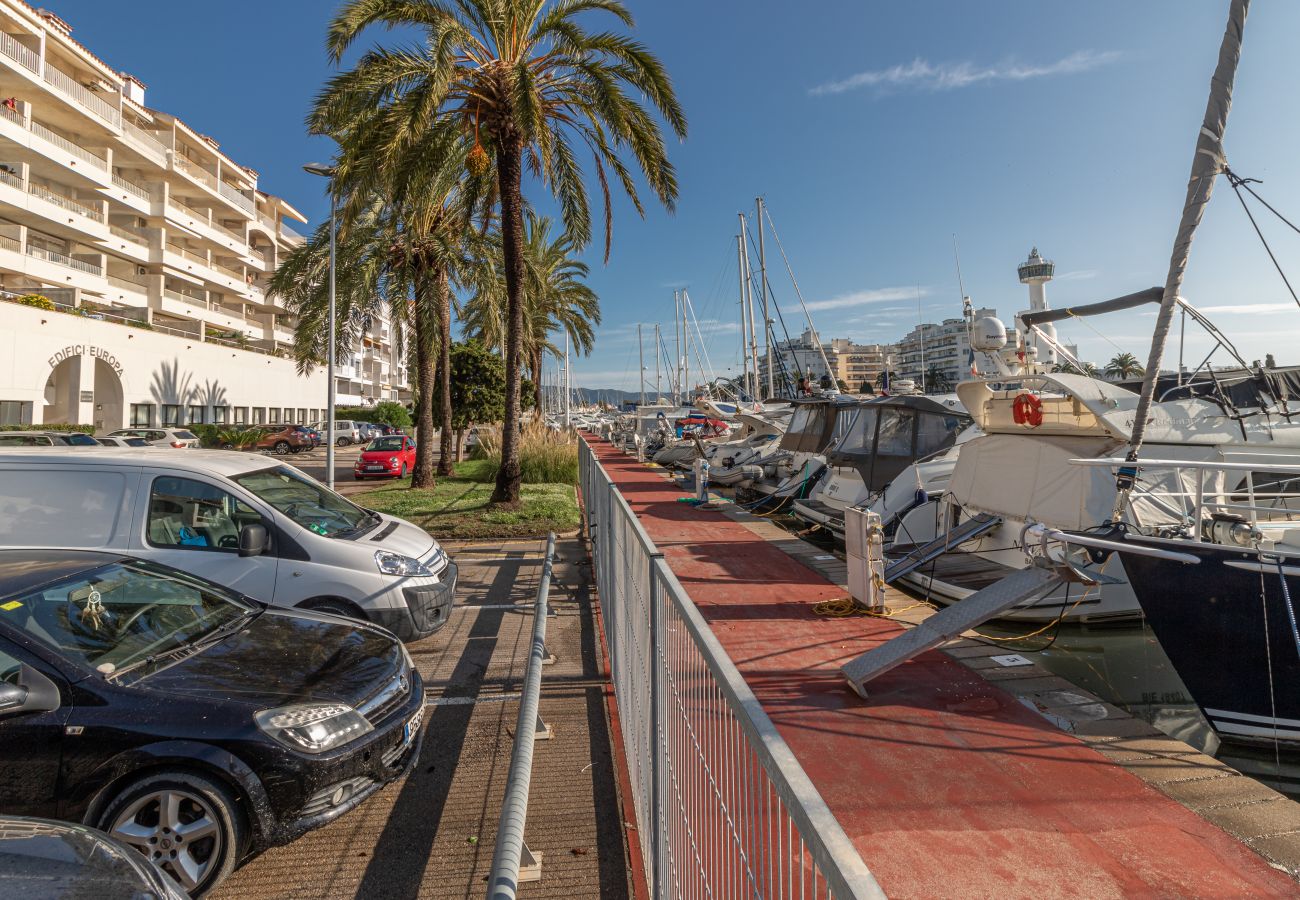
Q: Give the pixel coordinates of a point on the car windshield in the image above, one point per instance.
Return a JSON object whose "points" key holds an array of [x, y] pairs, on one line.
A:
{"points": [[123, 614], [82, 440], [385, 444], [307, 502]]}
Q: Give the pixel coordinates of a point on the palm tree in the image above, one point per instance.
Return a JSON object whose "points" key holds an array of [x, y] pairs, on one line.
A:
{"points": [[937, 381], [1123, 365], [886, 377], [555, 297], [533, 85]]}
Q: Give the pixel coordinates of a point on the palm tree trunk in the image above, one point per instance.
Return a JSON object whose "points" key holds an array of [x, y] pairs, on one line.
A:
{"points": [[424, 336], [537, 380], [509, 172], [444, 374]]}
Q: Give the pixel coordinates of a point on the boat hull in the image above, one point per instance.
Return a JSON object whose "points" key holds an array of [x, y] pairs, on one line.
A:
{"points": [[1223, 623]]}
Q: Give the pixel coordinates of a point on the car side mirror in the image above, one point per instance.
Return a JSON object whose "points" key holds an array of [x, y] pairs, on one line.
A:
{"points": [[33, 693], [252, 539]]}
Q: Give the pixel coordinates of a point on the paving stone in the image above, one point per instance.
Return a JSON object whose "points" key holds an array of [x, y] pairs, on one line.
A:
{"points": [[1282, 849], [1253, 820], [1226, 790]]}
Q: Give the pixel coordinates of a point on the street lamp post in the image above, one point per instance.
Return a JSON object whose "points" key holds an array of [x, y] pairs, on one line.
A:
{"points": [[328, 172]]}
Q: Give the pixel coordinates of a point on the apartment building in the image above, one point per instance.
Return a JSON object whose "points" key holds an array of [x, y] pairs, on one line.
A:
{"points": [[135, 256], [849, 361]]}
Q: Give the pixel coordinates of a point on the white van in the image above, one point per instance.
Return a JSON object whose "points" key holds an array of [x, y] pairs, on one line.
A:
{"points": [[261, 527]]}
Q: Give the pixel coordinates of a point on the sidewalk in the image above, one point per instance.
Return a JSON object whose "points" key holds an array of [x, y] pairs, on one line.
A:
{"points": [[432, 835], [947, 785]]}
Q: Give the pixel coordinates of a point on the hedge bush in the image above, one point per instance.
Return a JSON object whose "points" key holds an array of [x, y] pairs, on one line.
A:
{"points": [[88, 429]]}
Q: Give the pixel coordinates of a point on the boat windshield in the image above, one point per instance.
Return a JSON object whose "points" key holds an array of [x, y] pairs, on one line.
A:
{"points": [[308, 502]]}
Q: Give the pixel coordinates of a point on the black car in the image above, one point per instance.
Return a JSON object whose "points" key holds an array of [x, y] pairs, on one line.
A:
{"points": [[41, 859], [186, 720]]}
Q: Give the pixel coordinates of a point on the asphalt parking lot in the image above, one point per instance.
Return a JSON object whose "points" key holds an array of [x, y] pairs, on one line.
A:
{"points": [[432, 834]]}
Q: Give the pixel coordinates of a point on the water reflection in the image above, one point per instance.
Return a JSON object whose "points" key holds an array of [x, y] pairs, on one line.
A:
{"points": [[1127, 667]]}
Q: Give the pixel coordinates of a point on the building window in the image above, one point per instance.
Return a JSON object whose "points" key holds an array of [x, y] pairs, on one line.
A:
{"points": [[259, 415], [220, 415], [171, 415], [302, 416], [241, 415], [288, 415], [274, 415], [141, 415], [198, 415], [15, 412]]}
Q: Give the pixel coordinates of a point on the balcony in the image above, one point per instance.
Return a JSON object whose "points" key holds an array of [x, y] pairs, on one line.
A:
{"points": [[184, 165], [145, 141], [186, 252], [82, 95], [20, 53], [126, 284], [290, 235], [132, 188], [237, 198], [61, 259], [185, 297], [68, 146], [135, 235], [63, 201]]}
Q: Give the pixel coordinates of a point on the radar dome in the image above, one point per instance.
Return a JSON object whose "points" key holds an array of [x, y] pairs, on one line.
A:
{"points": [[988, 334]]}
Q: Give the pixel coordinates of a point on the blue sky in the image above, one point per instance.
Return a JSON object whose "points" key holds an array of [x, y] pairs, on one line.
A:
{"points": [[876, 132]]}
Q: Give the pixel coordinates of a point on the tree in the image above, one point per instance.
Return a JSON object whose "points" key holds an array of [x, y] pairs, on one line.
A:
{"points": [[936, 381], [885, 377], [866, 387], [532, 85], [842, 385], [555, 297], [476, 387], [1123, 365], [392, 413]]}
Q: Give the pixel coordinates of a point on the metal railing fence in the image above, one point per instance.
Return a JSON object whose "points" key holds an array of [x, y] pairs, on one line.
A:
{"points": [[721, 803], [503, 881]]}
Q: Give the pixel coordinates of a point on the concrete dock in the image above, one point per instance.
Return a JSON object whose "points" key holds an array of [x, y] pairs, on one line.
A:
{"points": [[948, 782]]}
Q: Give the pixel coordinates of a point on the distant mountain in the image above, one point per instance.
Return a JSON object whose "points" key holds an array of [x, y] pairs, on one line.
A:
{"points": [[611, 396]]}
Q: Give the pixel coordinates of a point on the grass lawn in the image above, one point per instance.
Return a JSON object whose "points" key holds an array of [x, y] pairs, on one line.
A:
{"points": [[457, 507]]}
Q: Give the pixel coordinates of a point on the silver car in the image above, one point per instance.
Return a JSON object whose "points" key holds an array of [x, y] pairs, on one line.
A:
{"points": [[177, 438], [343, 433]]}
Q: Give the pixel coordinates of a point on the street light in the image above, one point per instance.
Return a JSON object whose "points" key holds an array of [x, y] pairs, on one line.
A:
{"points": [[328, 172]]}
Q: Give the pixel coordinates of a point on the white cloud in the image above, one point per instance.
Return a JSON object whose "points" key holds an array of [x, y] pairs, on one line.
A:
{"points": [[1232, 309], [862, 298], [1077, 275], [922, 75]]}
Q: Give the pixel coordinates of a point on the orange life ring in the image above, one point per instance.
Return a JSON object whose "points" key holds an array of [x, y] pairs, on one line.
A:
{"points": [[1027, 409]]}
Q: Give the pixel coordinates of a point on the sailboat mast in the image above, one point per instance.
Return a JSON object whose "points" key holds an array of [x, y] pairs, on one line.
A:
{"points": [[1207, 162], [762, 286], [677, 359], [658, 390], [748, 299], [746, 380], [686, 355], [640, 355]]}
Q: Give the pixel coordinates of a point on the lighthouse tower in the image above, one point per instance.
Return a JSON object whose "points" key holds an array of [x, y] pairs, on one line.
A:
{"points": [[1036, 272]]}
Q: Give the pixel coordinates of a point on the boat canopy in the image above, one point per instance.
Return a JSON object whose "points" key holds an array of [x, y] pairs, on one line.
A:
{"points": [[890, 433], [813, 425]]}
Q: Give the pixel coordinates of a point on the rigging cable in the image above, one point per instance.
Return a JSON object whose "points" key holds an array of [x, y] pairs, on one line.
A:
{"points": [[1237, 183]]}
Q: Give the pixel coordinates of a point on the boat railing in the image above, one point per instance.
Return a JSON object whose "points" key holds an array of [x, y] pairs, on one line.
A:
{"points": [[1260, 492], [720, 802]]}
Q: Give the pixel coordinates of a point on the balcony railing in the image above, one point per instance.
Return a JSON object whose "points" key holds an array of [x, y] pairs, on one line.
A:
{"points": [[191, 169], [81, 94], [12, 244], [63, 143], [19, 52], [134, 235], [13, 115], [229, 232], [291, 235], [188, 254], [127, 284], [237, 198], [228, 272], [13, 180], [256, 254], [132, 188], [64, 202], [55, 256], [143, 138], [185, 297]]}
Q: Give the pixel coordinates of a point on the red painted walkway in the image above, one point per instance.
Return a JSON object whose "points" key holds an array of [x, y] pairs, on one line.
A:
{"points": [[947, 785]]}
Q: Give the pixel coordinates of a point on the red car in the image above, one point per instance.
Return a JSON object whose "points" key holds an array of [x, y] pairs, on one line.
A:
{"points": [[386, 457]]}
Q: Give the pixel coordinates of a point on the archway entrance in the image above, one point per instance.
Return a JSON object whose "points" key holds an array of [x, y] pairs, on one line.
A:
{"points": [[84, 390]]}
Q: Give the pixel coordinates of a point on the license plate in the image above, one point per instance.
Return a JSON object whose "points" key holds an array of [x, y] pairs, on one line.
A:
{"points": [[374, 468], [411, 728]]}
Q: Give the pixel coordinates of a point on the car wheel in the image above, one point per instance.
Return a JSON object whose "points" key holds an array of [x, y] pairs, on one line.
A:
{"points": [[342, 442], [281, 447], [227, 446], [186, 824], [295, 449], [335, 606]]}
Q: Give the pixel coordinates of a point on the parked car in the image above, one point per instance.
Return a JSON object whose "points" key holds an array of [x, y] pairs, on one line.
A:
{"points": [[257, 526], [46, 439], [122, 442], [177, 438], [342, 434], [385, 457], [184, 719], [40, 858], [282, 439], [313, 434], [369, 431]]}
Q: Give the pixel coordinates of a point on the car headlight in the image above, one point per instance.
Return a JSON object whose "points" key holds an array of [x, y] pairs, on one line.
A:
{"points": [[391, 563], [392, 460], [313, 727]]}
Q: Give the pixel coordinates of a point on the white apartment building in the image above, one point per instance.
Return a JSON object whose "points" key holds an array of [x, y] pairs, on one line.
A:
{"points": [[151, 249], [943, 347], [850, 362]]}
